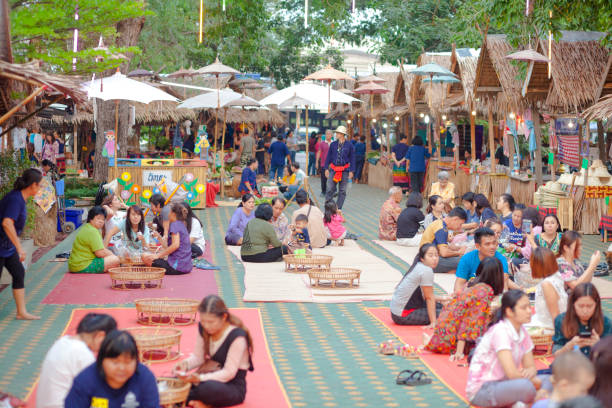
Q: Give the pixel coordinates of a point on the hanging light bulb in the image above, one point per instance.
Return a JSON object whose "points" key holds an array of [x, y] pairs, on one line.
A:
{"points": [[474, 113], [443, 117], [397, 118], [374, 120], [512, 115], [421, 115], [384, 125], [570, 124], [201, 34], [349, 121], [305, 13], [427, 119]]}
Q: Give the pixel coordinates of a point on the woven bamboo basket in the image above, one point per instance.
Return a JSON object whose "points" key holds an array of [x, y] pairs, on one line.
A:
{"points": [[334, 278], [303, 263], [542, 343], [157, 344], [166, 312], [136, 277], [172, 392]]}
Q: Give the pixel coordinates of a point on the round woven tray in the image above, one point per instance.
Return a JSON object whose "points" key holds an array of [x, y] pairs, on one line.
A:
{"points": [[542, 344], [174, 391], [334, 278], [157, 344], [164, 311], [136, 277], [302, 263]]}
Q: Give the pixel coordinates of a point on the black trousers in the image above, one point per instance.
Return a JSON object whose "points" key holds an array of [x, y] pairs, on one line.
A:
{"points": [[196, 251], [219, 394], [416, 181], [323, 181], [162, 263], [15, 268], [418, 317], [271, 255]]}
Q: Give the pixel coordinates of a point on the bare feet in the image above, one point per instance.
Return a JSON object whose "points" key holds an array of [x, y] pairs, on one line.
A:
{"points": [[26, 316], [426, 338], [341, 242]]}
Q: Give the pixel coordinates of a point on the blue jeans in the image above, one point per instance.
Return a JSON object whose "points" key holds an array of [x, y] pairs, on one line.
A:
{"points": [[291, 190], [312, 163], [359, 161], [276, 170], [331, 188], [292, 154]]}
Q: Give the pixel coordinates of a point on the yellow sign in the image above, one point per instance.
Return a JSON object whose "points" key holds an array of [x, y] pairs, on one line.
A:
{"points": [[97, 402]]}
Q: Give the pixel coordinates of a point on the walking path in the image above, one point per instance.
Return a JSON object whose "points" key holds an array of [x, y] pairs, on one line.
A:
{"points": [[325, 354]]}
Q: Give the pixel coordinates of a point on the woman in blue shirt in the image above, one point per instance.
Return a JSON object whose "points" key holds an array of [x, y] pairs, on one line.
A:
{"points": [[248, 182], [116, 379], [416, 157], [483, 208], [13, 216]]}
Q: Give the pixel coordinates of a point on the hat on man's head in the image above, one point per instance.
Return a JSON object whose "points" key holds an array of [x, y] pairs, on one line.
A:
{"points": [[341, 129]]}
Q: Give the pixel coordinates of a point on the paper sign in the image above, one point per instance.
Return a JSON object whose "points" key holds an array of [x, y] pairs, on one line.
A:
{"points": [[551, 158], [585, 163], [607, 200], [153, 177]]}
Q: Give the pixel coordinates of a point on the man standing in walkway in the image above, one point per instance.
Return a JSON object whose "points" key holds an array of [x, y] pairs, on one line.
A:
{"points": [[278, 152], [247, 148], [339, 166], [321, 148]]}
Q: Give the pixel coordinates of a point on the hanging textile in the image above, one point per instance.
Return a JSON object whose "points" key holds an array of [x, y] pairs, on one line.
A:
{"points": [[454, 134], [530, 131]]}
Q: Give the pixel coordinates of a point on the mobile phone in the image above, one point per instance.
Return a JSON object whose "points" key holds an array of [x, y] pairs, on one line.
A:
{"points": [[181, 373], [585, 333], [527, 226]]}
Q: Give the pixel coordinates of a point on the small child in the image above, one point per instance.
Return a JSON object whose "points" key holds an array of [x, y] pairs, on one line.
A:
{"points": [[333, 221], [299, 234], [573, 375]]}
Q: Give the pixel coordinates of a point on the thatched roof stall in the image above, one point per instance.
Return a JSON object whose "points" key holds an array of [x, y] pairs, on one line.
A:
{"points": [[460, 95], [421, 93], [602, 110], [605, 84]]}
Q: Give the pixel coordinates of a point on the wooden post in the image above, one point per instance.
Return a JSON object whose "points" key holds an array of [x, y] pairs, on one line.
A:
{"points": [[510, 150], [601, 141], [429, 138], [491, 139], [538, 152], [438, 126], [222, 154], [472, 132], [413, 117]]}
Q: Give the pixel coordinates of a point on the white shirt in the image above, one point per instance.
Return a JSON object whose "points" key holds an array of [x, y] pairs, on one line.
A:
{"points": [[19, 137], [542, 317], [65, 360], [198, 234], [37, 140]]}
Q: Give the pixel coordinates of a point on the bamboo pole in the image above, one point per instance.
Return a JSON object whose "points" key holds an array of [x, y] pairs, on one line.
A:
{"points": [[472, 132], [491, 140], [222, 154], [538, 152], [27, 100], [116, 133]]}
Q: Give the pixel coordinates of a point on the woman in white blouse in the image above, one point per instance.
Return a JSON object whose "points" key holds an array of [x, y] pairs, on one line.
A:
{"points": [[550, 295], [196, 232]]}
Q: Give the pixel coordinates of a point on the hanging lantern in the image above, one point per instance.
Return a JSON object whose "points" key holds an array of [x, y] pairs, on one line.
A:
{"points": [[224, 6], [550, 46], [201, 21], [305, 13], [75, 41]]}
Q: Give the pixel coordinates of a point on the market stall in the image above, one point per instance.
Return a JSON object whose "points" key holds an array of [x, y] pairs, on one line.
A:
{"points": [[138, 179]]}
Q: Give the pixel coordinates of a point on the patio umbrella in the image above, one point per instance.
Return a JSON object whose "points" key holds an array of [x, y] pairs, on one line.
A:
{"points": [[216, 69], [119, 87], [372, 78], [328, 74], [139, 73], [297, 102], [371, 88], [183, 73], [311, 92], [527, 55], [432, 69], [346, 91], [210, 100], [442, 79]]}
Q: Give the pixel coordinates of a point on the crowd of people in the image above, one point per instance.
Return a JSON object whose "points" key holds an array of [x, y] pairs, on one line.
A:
{"points": [[520, 257]]}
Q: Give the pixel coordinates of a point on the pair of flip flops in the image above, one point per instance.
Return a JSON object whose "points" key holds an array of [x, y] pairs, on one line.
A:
{"points": [[602, 270], [412, 378]]}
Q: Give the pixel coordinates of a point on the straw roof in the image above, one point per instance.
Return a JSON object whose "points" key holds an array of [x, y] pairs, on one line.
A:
{"points": [[605, 85], [401, 94], [602, 110], [422, 93], [578, 61], [459, 95]]}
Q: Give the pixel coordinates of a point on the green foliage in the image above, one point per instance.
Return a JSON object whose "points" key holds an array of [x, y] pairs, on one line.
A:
{"points": [[10, 169], [44, 30], [76, 187]]}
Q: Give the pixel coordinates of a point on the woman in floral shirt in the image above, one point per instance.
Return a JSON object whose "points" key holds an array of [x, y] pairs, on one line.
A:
{"points": [[279, 220], [571, 270], [465, 317]]}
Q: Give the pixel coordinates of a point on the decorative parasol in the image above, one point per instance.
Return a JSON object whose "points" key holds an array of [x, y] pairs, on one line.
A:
{"points": [[139, 73], [371, 78], [328, 74], [183, 73], [442, 79], [371, 88], [527, 55]]}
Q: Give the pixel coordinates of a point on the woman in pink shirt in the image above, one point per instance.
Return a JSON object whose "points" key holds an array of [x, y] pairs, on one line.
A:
{"points": [[321, 148], [333, 222], [502, 371]]}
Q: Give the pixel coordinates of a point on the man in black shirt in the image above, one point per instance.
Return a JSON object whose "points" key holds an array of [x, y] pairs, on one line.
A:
{"points": [[410, 220]]}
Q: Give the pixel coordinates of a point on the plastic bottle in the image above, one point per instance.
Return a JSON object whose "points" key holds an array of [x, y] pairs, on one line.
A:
{"points": [[350, 184]]}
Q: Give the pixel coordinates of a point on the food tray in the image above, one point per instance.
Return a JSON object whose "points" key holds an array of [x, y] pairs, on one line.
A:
{"points": [[542, 343], [164, 311], [302, 263], [157, 344], [172, 391], [136, 277], [334, 278]]}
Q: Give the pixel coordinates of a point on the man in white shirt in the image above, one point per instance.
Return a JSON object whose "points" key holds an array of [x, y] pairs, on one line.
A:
{"points": [[68, 356], [37, 140], [20, 136]]}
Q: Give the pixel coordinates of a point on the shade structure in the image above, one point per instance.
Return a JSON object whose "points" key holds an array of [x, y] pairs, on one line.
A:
{"points": [[328, 74], [442, 79], [120, 87], [345, 91], [183, 73], [371, 88], [239, 82], [139, 73], [295, 102], [216, 68], [372, 78], [210, 100], [527, 55], [245, 102], [312, 92], [431, 69]]}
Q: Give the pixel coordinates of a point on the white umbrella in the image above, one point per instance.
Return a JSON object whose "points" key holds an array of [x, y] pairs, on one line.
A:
{"points": [[119, 87], [296, 102], [315, 93], [209, 100]]}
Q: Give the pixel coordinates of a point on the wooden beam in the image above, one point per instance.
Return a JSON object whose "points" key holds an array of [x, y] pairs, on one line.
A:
{"points": [[527, 78], [33, 95], [602, 82], [489, 89], [29, 115], [20, 78]]}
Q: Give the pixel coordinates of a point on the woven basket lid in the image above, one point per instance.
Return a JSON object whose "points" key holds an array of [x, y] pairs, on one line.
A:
{"points": [[554, 187], [600, 172], [565, 178]]}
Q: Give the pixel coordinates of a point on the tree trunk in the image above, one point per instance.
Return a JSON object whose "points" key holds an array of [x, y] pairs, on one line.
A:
{"points": [[6, 53], [128, 31]]}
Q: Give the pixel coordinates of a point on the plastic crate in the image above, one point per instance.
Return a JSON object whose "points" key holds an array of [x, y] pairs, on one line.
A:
{"points": [[74, 216]]}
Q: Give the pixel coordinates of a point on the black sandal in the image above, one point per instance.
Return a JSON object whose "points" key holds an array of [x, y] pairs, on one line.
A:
{"points": [[413, 378]]}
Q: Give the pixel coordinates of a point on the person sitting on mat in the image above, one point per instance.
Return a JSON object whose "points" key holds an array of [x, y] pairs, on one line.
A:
{"points": [[88, 253], [483, 209], [114, 216], [196, 234], [300, 239], [68, 356], [279, 220], [248, 182], [502, 371], [434, 210], [602, 359], [316, 227], [175, 255], [334, 223], [464, 318], [116, 380], [486, 246], [222, 356], [390, 210], [409, 221], [300, 176], [572, 271], [242, 215], [135, 233], [413, 302], [260, 243], [438, 233]]}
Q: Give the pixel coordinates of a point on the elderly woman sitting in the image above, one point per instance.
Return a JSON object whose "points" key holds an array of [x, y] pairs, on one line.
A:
{"points": [[444, 189], [390, 211]]}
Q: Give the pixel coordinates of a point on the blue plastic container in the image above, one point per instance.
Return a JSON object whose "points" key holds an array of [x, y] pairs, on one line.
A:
{"points": [[74, 216]]}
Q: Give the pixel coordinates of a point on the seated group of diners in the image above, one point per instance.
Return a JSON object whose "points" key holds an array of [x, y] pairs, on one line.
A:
{"points": [[112, 236]]}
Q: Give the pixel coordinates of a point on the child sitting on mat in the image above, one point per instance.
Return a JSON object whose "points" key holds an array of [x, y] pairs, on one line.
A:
{"points": [[299, 235], [333, 221]]}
